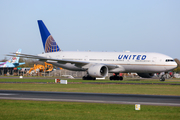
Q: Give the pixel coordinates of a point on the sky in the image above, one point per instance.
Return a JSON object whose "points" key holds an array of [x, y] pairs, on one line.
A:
{"points": [[96, 25]]}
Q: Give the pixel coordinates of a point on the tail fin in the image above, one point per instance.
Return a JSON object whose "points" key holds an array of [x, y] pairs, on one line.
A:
{"points": [[49, 43], [15, 59]]}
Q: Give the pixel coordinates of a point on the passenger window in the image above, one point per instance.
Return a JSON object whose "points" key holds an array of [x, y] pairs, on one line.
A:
{"points": [[169, 60]]}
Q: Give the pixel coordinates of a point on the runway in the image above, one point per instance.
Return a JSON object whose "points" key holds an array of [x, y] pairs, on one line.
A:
{"points": [[91, 97]]}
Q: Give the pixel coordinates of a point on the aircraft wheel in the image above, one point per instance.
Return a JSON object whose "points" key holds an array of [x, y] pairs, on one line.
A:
{"points": [[162, 78], [120, 78], [111, 77], [84, 78], [88, 78], [116, 78]]}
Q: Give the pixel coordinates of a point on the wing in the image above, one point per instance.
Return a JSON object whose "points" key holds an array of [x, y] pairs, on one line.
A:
{"points": [[45, 59], [62, 61]]}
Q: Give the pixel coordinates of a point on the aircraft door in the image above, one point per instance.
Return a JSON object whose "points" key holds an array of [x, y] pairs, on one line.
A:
{"points": [[154, 60], [86, 58]]}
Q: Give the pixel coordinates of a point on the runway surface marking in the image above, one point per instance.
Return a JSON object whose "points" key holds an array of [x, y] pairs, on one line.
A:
{"points": [[7, 94], [93, 101], [91, 97]]}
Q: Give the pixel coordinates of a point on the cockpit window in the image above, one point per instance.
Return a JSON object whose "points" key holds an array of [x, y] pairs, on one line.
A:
{"points": [[169, 60]]}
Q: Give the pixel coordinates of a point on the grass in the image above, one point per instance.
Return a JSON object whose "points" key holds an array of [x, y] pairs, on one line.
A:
{"points": [[41, 110], [25, 80], [151, 89], [97, 88], [126, 80]]}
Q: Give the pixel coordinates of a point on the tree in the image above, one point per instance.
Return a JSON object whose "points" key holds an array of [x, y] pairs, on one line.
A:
{"points": [[4, 60], [178, 68]]}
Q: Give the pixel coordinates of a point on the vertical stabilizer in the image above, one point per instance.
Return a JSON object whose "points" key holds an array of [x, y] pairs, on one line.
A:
{"points": [[49, 43], [12, 62], [15, 59]]}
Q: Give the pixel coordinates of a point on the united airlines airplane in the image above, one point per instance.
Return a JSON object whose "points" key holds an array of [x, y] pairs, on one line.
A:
{"points": [[99, 64]]}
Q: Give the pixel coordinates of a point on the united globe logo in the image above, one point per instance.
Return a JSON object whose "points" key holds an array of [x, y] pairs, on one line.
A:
{"points": [[51, 45]]}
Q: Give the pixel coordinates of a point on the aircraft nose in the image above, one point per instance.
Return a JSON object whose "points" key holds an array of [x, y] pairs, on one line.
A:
{"points": [[172, 65], [176, 65]]}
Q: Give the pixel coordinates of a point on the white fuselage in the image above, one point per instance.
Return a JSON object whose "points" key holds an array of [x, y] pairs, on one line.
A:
{"points": [[142, 62]]}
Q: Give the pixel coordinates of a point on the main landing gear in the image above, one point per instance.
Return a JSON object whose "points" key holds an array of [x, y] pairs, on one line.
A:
{"points": [[87, 77], [116, 77]]}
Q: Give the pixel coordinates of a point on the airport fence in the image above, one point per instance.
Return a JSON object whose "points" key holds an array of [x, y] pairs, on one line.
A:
{"points": [[66, 73], [60, 73], [54, 73]]}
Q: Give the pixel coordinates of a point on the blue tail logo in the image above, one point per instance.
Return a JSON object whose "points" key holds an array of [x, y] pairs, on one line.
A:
{"points": [[48, 41]]}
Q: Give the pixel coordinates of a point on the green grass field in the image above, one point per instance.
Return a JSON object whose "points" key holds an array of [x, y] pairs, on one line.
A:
{"points": [[91, 88], [126, 80], [41, 110]]}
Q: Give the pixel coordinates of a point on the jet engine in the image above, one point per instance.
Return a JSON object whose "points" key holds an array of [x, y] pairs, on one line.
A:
{"points": [[98, 70], [146, 75]]}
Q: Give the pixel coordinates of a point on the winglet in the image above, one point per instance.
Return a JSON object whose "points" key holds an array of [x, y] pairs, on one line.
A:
{"points": [[48, 41]]}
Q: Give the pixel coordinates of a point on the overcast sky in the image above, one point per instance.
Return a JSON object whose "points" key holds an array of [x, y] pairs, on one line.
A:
{"points": [[96, 25]]}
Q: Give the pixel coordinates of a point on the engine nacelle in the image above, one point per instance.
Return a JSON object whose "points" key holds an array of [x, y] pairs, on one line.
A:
{"points": [[98, 70], [146, 75]]}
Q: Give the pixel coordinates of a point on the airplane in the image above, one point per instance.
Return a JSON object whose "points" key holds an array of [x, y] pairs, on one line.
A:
{"points": [[12, 62], [99, 64]]}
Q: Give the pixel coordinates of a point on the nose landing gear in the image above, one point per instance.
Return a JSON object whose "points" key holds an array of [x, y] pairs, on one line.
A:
{"points": [[162, 78]]}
